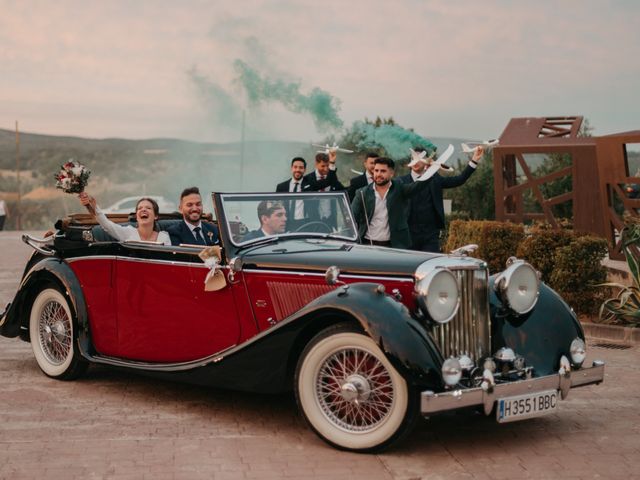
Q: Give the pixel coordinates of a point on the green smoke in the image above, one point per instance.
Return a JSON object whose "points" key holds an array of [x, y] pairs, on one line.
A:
{"points": [[259, 89], [395, 140], [220, 104]]}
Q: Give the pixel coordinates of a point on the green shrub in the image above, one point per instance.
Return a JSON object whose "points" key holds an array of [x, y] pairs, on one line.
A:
{"points": [[570, 263], [539, 248], [497, 241], [577, 270], [624, 307]]}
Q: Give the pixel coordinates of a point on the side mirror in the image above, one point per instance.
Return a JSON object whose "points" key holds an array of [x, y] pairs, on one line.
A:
{"points": [[332, 275], [235, 264]]}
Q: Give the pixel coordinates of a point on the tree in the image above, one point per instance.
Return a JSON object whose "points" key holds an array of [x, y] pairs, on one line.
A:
{"points": [[476, 196]]}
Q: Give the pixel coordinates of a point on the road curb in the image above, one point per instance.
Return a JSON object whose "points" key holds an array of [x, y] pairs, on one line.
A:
{"points": [[612, 333]]}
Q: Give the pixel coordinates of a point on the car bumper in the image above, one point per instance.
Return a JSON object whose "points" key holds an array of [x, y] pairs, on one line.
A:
{"points": [[431, 402]]}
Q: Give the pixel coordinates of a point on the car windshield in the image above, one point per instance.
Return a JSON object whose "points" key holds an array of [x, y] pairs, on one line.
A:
{"points": [[253, 217]]}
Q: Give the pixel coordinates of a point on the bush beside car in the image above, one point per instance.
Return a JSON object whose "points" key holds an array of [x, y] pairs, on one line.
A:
{"points": [[569, 262], [497, 241]]}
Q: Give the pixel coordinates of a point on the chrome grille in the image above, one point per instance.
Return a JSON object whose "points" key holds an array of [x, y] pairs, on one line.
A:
{"points": [[470, 330]]}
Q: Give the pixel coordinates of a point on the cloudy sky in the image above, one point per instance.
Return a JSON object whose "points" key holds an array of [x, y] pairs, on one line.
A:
{"points": [[143, 68]]}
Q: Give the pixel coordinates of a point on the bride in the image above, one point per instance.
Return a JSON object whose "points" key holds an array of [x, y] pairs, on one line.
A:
{"points": [[146, 215]]}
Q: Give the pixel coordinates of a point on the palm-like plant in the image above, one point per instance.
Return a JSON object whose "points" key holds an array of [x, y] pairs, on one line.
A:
{"points": [[625, 306]]}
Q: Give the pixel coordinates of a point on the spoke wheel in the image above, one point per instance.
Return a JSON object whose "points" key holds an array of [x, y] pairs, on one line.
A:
{"points": [[350, 393], [51, 328]]}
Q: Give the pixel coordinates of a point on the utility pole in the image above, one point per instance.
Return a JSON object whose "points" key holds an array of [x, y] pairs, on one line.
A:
{"points": [[242, 152], [19, 207]]}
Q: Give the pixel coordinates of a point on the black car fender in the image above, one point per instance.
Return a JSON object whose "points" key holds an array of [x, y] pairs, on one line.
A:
{"points": [[16, 318], [390, 324], [541, 336]]}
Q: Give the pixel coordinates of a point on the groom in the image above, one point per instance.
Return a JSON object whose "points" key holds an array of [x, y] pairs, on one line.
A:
{"points": [[192, 230]]}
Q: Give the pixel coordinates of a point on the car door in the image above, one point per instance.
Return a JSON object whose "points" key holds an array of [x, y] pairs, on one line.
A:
{"points": [[163, 312]]}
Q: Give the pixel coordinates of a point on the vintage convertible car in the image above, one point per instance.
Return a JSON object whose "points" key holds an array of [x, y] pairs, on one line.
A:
{"points": [[368, 338]]}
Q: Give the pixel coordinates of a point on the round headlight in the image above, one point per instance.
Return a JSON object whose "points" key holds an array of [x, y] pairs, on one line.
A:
{"points": [[578, 351], [451, 371], [519, 286], [438, 295]]}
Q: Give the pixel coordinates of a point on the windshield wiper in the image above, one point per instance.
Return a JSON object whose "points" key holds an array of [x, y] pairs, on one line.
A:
{"points": [[262, 241]]}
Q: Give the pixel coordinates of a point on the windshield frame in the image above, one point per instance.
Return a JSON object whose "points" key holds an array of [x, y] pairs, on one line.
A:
{"points": [[339, 196]]}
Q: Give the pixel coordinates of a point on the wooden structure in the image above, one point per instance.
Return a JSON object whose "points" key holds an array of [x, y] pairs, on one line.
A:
{"points": [[614, 173], [598, 171]]}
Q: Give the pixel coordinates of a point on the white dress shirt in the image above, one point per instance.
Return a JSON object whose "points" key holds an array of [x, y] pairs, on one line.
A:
{"points": [[298, 207], [324, 207], [379, 222]]}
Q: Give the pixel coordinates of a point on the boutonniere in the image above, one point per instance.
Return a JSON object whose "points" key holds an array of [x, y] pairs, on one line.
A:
{"points": [[210, 235]]}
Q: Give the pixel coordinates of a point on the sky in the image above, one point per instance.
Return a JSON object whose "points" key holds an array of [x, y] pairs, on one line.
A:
{"points": [[158, 68]]}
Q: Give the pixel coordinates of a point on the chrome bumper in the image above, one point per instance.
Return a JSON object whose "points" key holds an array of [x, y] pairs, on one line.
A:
{"points": [[432, 402]]}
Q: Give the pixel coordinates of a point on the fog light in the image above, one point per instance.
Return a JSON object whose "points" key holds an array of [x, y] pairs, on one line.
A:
{"points": [[578, 351], [451, 371], [519, 363]]}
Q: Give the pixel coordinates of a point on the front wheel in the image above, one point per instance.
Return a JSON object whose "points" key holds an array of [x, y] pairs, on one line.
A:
{"points": [[52, 332], [350, 394]]}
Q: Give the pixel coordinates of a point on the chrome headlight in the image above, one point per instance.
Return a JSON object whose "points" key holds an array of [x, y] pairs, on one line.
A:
{"points": [[578, 351], [438, 295], [451, 371], [518, 286]]}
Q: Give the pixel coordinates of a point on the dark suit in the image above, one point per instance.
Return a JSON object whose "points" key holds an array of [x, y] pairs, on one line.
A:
{"points": [[332, 184], [181, 233], [253, 234], [355, 184], [426, 210], [305, 187], [397, 208]]}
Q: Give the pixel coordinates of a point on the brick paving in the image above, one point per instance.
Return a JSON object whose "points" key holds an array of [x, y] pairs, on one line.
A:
{"points": [[114, 424]]}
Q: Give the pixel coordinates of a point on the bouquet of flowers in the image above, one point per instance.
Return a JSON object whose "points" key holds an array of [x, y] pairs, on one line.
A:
{"points": [[72, 177]]}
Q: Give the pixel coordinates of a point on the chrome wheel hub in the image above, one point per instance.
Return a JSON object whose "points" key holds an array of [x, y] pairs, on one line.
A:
{"points": [[354, 390]]}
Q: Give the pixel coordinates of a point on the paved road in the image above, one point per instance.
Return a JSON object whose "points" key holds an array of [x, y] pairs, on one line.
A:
{"points": [[116, 425]]}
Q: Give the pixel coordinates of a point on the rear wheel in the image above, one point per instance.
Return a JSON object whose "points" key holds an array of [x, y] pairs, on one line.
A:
{"points": [[350, 394], [53, 336]]}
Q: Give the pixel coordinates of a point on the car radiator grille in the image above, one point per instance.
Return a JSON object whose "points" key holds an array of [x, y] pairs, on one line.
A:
{"points": [[470, 330]]}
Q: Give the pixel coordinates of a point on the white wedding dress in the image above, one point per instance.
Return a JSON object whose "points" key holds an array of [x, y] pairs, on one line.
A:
{"points": [[126, 232]]}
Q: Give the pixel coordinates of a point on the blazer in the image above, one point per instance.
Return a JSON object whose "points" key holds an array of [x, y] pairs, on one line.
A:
{"points": [[419, 218], [397, 207], [253, 234], [313, 206], [305, 186], [180, 233], [355, 183]]}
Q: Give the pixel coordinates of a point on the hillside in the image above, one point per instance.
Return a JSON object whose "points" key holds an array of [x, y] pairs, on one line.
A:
{"points": [[159, 166]]}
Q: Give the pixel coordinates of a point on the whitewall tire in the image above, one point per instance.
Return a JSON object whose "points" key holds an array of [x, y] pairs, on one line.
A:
{"points": [[349, 392], [53, 336]]}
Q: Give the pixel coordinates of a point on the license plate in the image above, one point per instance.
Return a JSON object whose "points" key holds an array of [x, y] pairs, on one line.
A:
{"points": [[536, 404]]}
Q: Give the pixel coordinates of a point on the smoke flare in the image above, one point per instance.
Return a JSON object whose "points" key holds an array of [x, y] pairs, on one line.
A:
{"points": [[322, 107], [395, 140], [220, 104]]}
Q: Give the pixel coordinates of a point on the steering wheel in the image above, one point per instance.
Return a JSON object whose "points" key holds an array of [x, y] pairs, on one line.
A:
{"points": [[314, 227]]}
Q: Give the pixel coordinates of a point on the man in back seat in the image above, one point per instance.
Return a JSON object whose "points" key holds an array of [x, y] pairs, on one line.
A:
{"points": [[192, 230]]}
